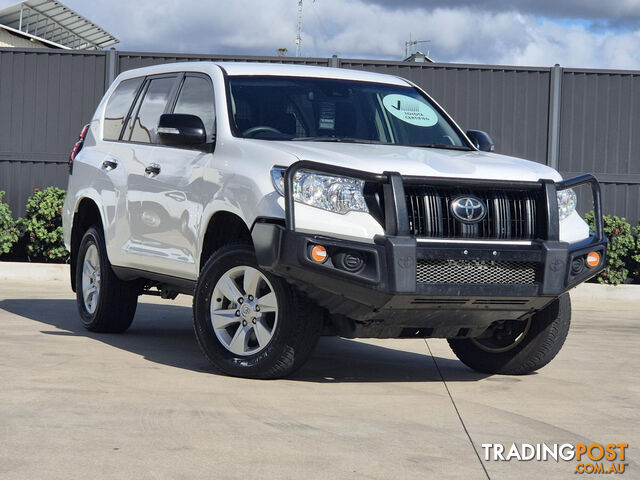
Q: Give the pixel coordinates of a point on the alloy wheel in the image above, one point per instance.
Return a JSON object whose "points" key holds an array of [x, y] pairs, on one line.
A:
{"points": [[91, 279], [244, 310]]}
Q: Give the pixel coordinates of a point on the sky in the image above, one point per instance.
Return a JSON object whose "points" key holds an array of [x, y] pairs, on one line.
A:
{"points": [[575, 33]]}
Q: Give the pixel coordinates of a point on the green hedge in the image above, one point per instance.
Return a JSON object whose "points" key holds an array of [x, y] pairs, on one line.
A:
{"points": [[43, 226], [623, 251], [8, 230], [636, 256], [38, 236]]}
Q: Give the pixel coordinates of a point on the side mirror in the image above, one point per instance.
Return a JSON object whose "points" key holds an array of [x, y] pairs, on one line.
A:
{"points": [[181, 130], [481, 140]]}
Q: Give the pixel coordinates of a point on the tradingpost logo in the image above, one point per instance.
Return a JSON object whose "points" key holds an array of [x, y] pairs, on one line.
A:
{"points": [[595, 458]]}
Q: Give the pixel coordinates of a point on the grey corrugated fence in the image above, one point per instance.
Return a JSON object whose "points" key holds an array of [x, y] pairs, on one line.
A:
{"points": [[573, 119], [45, 98]]}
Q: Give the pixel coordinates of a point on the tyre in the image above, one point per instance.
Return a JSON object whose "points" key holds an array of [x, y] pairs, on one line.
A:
{"points": [[106, 304], [250, 323], [518, 347]]}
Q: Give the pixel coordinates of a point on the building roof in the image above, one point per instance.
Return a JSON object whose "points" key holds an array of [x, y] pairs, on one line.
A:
{"points": [[25, 40], [419, 57], [51, 22]]}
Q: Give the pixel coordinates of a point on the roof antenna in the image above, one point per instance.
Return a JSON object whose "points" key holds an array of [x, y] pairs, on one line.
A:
{"points": [[299, 30], [411, 43]]}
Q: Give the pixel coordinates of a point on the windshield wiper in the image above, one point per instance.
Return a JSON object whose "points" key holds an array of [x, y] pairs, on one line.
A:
{"points": [[334, 139], [442, 146]]}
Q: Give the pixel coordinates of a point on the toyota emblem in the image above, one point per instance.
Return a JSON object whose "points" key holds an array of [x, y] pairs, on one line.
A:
{"points": [[468, 209]]}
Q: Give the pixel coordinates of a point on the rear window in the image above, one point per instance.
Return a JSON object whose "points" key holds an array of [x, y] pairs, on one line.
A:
{"points": [[118, 107]]}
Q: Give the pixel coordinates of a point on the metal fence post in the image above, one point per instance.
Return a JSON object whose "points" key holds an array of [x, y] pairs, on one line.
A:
{"points": [[555, 105], [111, 67]]}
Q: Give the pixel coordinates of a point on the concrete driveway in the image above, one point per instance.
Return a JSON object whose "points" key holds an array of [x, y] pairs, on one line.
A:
{"points": [[146, 404]]}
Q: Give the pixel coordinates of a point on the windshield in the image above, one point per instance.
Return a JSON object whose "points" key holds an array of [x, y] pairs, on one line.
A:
{"points": [[323, 109]]}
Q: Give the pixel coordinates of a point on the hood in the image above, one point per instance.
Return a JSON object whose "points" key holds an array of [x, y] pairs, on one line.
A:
{"points": [[417, 161]]}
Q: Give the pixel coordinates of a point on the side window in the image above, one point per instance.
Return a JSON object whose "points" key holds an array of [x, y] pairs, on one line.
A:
{"points": [[153, 105], [196, 98], [118, 107]]}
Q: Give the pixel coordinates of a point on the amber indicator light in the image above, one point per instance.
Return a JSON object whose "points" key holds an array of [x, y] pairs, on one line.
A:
{"points": [[319, 253], [593, 259]]}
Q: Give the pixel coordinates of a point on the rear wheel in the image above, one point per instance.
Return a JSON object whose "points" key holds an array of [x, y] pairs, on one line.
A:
{"points": [[106, 304], [518, 347], [250, 323]]}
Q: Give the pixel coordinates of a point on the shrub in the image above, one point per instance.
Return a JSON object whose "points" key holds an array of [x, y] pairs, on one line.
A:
{"points": [[8, 230], [636, 255], [622, 244], [43, 226]]}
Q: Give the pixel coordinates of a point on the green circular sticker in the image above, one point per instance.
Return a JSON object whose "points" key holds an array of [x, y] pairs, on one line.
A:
{"points": [[410, 110]]}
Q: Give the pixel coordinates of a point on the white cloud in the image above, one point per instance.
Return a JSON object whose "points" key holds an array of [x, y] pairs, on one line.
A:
{"points": [[577, 47], [373, 29]]}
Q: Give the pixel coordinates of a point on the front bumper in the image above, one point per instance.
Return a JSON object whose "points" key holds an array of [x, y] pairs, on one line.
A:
{"points": [[388, 296]]}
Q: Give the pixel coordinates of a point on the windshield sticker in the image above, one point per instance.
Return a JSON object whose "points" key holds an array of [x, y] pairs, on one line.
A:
{"points": [[410, 110], [327, 119]]}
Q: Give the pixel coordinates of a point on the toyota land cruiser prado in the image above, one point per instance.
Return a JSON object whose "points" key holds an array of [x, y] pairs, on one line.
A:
{"points": [[295, 201]]}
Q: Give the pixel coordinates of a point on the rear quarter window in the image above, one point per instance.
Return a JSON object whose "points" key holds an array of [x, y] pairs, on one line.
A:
{"points": [[118, 107]]}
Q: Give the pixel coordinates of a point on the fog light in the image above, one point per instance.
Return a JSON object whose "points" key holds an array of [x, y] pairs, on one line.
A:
{"points": [[319, 253], [352, 261], [577, 265], [593, 259]]}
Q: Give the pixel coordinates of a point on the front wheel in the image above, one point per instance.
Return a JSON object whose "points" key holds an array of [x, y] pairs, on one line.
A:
{"points": [[518, 347], [250, 323]]}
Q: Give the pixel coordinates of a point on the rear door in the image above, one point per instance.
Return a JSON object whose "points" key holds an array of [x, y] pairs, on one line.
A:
{"points": [[115, 159]]}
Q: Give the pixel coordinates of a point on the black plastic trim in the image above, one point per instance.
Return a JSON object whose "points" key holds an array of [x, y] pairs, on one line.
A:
{"points": [[551, 203], [395, 204], [469, 182], [588, 272], [285, 253], [182, 285], [267, 242], [370, 275]]}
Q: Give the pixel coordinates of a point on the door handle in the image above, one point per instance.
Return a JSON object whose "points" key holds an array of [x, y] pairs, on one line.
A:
{"points": [[109, 165], [152, 170]]}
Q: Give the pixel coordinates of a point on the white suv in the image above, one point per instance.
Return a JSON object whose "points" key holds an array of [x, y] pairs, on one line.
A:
{"points": [[296, 201]]}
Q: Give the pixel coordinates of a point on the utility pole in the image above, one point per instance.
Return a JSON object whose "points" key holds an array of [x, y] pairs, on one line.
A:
{"points": [[299, 30], [409, 43]]}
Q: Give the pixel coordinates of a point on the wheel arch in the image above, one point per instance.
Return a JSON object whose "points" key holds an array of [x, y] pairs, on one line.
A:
{"points": [[85, 215], [223, 227]]}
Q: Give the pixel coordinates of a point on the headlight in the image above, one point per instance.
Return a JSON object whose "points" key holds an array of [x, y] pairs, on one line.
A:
{"points": [[277, 178], [328, 192], [567, 202]]}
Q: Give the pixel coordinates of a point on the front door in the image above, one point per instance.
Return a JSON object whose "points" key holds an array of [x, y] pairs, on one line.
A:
{"points": [[170, 210], [146, 213]]}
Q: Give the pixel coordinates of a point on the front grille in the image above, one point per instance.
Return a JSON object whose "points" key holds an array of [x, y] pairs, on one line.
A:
{"points": [[511, 214], [475, 271]]}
